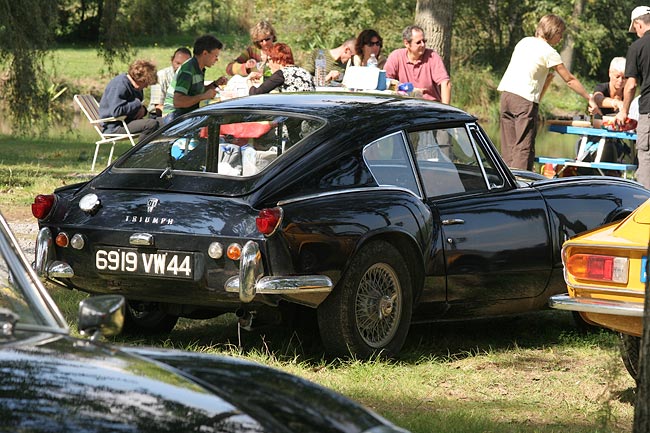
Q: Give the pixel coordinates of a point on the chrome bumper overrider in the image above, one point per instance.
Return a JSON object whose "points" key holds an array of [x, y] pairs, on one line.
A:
{"points": [[44, 263], [251, 280], [600, 306]]}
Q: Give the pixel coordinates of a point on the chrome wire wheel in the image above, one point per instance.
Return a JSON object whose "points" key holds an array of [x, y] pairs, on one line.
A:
{"points": [[378, 305]]}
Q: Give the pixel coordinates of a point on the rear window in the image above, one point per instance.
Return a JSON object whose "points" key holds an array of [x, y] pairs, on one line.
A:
{"points": [[233, 144]]}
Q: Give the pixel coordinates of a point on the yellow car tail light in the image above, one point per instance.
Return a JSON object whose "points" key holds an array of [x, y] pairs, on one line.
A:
{"points": [[598, 267]]}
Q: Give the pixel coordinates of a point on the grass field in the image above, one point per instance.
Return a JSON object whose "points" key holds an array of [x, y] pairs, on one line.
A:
{"points": [[530, 373]]}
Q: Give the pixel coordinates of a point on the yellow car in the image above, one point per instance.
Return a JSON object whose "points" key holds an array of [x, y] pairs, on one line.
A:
{"points": [[605, 272]]}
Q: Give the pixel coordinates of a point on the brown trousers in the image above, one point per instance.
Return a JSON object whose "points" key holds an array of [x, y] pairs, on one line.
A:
{"points": [[518, 121]]}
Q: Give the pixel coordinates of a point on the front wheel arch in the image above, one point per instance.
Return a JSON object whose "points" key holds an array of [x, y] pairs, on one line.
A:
{"points": [[617, 215]]}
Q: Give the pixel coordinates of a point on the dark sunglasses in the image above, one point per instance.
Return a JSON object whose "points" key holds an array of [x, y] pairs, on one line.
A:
{"points": [[372, 44], [264, 40]]}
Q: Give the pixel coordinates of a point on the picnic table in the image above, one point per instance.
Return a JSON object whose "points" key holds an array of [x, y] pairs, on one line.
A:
{"points": [[592, 141]]}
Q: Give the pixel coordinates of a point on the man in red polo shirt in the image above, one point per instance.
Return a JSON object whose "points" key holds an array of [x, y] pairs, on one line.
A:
{"points": [[419, 65]]}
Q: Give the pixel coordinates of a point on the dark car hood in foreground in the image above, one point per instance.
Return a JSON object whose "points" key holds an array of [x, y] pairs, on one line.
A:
{"points": [[61, 384]]}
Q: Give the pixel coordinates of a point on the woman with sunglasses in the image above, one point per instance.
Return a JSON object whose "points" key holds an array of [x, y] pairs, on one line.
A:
{"points": [[254, 58], [368, 42]]}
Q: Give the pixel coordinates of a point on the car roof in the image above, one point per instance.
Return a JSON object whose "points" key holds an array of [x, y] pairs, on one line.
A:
{"points": [[342, 107]]}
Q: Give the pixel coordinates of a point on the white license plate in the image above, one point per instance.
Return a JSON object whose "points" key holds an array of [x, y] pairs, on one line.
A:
{"points": [[170, 264]]}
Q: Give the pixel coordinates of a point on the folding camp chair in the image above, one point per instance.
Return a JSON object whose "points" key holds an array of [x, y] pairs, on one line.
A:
{"points": [[90, 108]]}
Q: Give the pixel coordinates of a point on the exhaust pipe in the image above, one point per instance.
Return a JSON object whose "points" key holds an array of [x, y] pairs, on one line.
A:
{"points": [[245, 318]]}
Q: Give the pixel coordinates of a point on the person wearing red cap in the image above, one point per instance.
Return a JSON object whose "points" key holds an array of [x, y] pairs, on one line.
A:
{"points": [[637, 72]]}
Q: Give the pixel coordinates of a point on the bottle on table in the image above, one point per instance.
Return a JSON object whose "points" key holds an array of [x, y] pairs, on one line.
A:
{"points": [[319, 69], [372, 61]]}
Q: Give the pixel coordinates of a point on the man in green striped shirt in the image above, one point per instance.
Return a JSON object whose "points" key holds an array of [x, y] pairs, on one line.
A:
{"points": [[188, 88]]}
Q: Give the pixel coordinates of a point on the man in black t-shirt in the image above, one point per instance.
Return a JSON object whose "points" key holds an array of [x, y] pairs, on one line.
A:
{"points": [[637, 72]]}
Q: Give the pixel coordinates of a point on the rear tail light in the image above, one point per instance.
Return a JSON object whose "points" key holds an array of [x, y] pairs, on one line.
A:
{"points": [[42, 205], [268, 220], [62, 240], [233, 252], [599, 268]]}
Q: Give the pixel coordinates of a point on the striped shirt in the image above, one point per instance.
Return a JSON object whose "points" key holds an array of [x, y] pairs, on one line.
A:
{"points": [[189, 80]]}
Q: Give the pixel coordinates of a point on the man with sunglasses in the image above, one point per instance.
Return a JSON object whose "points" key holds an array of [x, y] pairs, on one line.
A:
{"points": [[419, 65]]}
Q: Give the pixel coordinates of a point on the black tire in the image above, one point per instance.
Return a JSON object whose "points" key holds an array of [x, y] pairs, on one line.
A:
{"points": [[147, 318], [584, 327], [630, 352], [369, 311]]}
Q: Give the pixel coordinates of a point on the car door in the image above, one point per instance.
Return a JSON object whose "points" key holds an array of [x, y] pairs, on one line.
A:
{"points": [[495, 235]]}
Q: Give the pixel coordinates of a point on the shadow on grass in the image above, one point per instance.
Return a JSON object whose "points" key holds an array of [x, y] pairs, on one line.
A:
{"points": [[446, 342]]}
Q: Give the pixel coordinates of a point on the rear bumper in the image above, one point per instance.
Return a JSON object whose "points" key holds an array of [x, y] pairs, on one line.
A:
{"points": [[596, 306], [249, 283], [44, 263], [251, 280]]}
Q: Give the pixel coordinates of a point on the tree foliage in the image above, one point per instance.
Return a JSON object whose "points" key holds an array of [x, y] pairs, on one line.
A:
{"points": [[306, 24], [486, 31], [481, 38], [26, 32]]}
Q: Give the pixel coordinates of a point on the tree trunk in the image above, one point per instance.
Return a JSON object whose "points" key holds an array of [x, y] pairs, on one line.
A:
{"points": [[436, 23], [642, 406], [569, 40]]}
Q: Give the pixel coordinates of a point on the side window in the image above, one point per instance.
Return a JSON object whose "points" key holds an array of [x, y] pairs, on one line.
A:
{"points": [[389, 163], [447, 162]]}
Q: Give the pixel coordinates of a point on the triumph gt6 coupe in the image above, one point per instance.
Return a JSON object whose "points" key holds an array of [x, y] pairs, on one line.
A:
{"points": [[373, 211]]}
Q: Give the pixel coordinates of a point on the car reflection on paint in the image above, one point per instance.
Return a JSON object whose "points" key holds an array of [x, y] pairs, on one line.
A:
{"points": [[371, 211], [51, 382], [605, 273]]}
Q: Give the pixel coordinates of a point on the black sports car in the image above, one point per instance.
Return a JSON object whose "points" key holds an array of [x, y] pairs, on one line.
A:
{"points": [[375, 211], [51, 382]]}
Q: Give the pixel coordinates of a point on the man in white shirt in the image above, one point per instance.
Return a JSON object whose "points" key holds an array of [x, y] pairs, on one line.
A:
{"points": [[165, 77]]}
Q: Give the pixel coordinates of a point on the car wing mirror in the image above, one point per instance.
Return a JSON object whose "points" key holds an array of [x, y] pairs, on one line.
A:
{"points": [[101, 315]]}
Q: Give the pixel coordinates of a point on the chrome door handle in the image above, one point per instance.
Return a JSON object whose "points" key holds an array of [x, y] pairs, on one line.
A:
{"points": [[453, 221]]}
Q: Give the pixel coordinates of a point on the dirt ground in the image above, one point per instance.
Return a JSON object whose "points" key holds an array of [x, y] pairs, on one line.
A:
{"points": [[24, 226]]}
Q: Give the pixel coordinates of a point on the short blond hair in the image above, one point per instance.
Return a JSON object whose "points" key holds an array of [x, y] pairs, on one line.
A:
{"points": [[617, 64]]}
